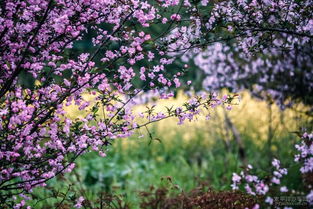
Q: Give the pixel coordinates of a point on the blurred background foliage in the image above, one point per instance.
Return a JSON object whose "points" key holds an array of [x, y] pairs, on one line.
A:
{"points": [[202, 151]]}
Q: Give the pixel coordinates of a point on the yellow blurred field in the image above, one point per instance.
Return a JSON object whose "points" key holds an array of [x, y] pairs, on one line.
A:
{"points": [[250, 115]]}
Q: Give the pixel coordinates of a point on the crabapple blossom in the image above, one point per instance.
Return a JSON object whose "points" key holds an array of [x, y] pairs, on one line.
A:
{"points": [[79, 202], [42, 74], [254, 185], [305, 157], [263, 46]]}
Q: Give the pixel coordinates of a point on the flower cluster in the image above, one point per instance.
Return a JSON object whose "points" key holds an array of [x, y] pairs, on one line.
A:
{"points": [[254, 185], [305, 149], [305, 157], [79, 202]]}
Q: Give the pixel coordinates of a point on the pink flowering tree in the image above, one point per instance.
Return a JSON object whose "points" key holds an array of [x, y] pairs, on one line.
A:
{"points": [[270, 186], [267, 48], [136, 47], [42, 73]]}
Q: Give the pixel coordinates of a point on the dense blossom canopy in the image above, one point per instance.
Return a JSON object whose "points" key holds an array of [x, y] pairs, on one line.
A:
{"points": [[41, 74], [268, 49]]}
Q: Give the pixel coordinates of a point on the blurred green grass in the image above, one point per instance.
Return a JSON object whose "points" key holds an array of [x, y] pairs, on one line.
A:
{"points": [[195, 152]]}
